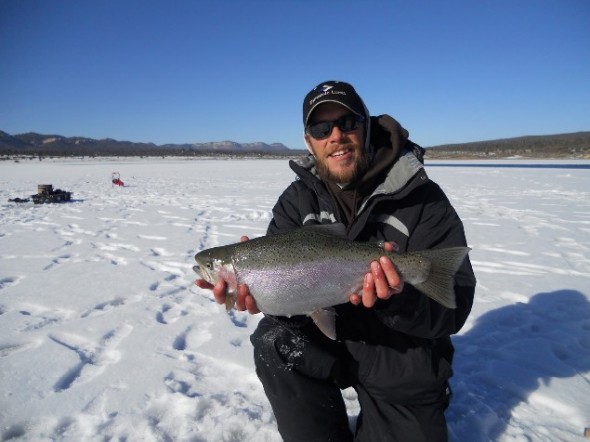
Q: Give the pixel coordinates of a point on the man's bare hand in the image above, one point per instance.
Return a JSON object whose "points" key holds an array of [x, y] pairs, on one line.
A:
{"points": [[381, 282], [245, 301]]}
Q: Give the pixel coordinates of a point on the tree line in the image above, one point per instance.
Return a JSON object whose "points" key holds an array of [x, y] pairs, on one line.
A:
{"points": [[570, 145]]}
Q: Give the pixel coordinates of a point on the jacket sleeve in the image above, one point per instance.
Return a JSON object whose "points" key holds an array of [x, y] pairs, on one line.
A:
{"points": [[413, 313], [286, 214]]}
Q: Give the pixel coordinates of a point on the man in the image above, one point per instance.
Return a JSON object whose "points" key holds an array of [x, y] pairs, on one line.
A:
{"points": [[393, 343]]}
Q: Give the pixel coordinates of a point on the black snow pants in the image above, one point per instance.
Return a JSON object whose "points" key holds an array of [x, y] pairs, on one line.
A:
{"points": [[402, 388]]}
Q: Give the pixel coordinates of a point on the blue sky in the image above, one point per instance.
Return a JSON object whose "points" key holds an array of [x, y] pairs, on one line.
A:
{"points": [[196, 71]]}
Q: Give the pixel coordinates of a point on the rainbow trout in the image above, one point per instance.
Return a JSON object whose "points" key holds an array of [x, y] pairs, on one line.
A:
{"points": [[309, 269]]}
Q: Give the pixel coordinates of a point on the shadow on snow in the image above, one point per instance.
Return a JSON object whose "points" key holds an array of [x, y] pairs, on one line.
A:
{"points": [[509, 353]]}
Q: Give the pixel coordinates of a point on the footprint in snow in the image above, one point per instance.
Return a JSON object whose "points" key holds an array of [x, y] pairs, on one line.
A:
{"points": [[40, 317], [94, 356], [169, 314], [9, 282], [183, 384], [104, 307], [239, 319], [57, 261], [192, 338], [7, 349]]}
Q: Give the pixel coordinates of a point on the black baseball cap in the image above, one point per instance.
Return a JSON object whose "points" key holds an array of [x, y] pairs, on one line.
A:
{"points": [[333, 92]]}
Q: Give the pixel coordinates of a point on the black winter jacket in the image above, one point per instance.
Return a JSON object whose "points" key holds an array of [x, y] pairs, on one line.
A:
{"points": [[407, 208]]}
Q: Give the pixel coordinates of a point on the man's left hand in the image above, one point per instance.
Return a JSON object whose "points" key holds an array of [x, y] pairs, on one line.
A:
{"points": [[381, 282]]}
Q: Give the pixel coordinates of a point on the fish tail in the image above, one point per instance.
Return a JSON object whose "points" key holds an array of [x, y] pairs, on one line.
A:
{"points": [[440, 284]]}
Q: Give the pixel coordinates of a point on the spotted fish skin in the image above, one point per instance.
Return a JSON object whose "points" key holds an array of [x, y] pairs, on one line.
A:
{"points": [[312, 268]]}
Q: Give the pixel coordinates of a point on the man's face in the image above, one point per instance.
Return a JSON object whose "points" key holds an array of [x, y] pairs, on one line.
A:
{"points": [[340, 157]]}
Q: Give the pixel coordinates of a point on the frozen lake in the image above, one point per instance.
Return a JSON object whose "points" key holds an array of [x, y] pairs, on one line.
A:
{"points": [[104, 336]]}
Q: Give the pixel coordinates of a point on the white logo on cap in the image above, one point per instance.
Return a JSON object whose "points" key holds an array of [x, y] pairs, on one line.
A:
{"points": [[325, 90]]}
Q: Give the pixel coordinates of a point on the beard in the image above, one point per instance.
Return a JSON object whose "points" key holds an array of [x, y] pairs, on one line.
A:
{"points": [[348, 175]]}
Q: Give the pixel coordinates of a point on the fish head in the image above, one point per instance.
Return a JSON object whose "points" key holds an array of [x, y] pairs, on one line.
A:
{"points": [[215, 264]]}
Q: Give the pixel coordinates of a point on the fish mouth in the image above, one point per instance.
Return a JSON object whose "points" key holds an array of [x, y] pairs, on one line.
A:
{"points": [[205, 274]]}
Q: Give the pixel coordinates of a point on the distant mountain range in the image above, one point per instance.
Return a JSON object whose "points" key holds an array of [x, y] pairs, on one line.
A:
{"points": [[45, 145], [570, 145]]}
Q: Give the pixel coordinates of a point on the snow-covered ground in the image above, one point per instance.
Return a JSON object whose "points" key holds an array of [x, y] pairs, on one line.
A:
{"points": [[103, 335]]}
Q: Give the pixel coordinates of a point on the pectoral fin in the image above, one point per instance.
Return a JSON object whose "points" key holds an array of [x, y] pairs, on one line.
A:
{"points": [[230, 301], [325, 320]]}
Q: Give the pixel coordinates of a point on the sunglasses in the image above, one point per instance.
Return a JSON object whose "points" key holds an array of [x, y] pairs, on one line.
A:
{"points": [[323, 129]]}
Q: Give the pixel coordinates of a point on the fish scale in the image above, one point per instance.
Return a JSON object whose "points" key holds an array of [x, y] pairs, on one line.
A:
{"points": [[309, 269]]}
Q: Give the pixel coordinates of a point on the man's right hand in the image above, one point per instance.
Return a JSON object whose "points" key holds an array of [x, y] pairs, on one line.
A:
{"points": [[244, 300]]}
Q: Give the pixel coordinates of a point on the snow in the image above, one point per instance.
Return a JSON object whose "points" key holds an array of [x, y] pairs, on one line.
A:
{"points": [[103, 335]]}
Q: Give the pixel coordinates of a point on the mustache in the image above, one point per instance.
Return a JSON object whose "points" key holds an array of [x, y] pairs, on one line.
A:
{"points": [[343, 146]]}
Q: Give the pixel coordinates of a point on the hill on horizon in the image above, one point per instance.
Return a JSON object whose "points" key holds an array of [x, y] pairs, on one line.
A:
{"points": [[574, 145], [32, 143]]}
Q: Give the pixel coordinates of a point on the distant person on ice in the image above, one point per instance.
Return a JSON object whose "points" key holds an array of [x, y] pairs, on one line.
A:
{"points": [[393, 343]]}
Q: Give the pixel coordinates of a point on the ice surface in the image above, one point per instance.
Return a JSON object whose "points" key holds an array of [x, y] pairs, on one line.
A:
{"points": [[103, 335]]}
